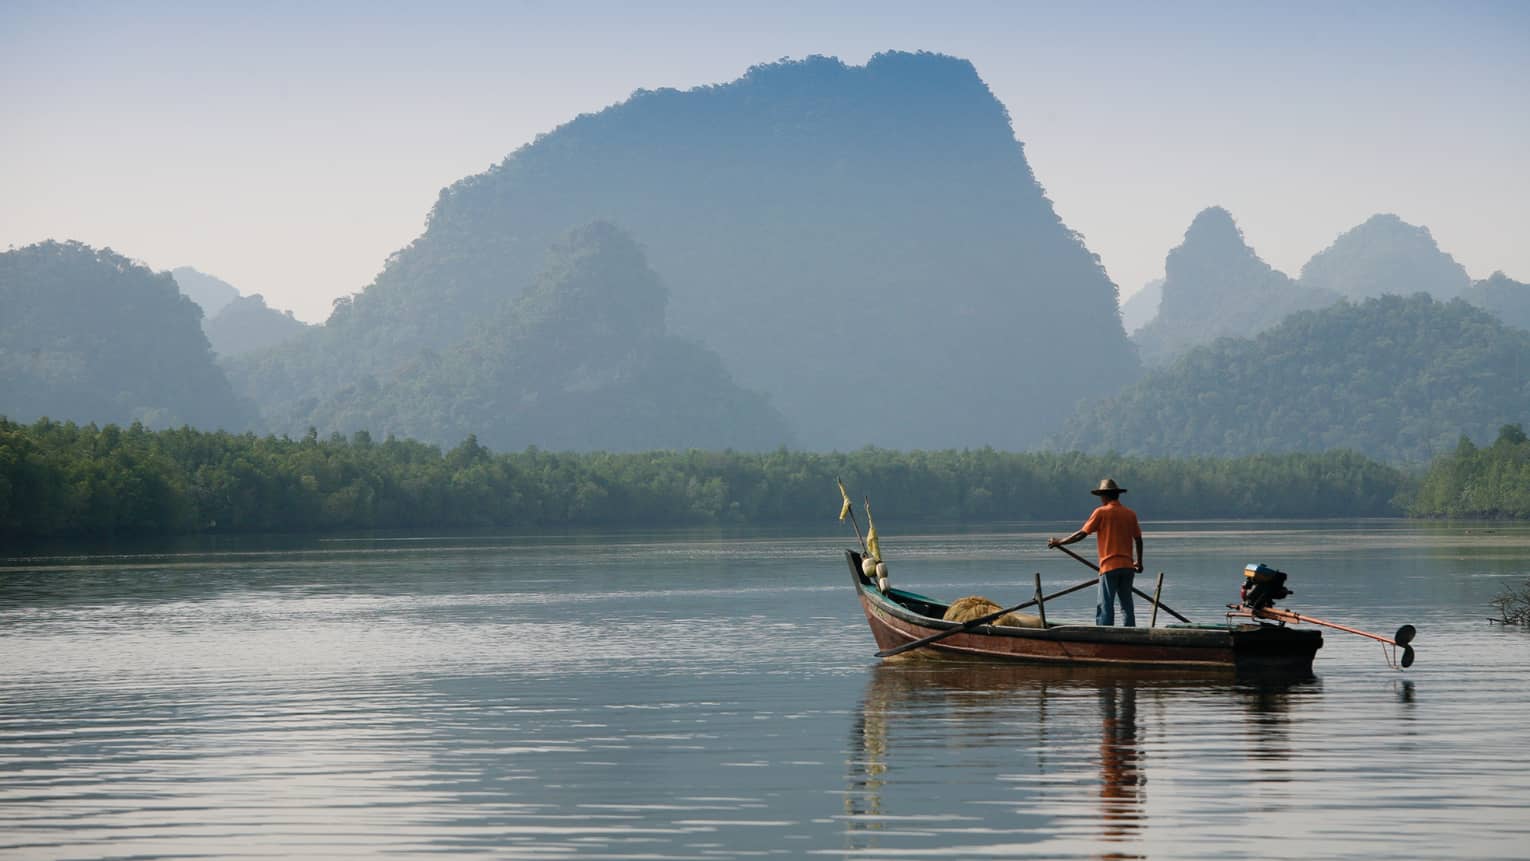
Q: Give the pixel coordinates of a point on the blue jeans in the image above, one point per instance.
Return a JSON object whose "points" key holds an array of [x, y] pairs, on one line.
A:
{"points": [[1115, 585]]}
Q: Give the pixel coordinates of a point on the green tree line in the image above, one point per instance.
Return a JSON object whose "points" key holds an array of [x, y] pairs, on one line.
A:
{"points": [[1472, 482], [60, 479]]}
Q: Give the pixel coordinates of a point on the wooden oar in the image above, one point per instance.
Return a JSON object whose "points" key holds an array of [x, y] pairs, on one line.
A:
{"points": [[981, 620], [1090, 565]]}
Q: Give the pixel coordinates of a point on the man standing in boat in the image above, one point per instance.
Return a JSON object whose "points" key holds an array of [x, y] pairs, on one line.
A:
{"points": [[1118, 534]]}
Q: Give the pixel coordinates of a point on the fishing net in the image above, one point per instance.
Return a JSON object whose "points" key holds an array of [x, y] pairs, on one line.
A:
{"points": [[975, 607]]}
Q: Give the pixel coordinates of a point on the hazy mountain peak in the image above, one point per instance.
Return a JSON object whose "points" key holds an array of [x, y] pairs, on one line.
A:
{"points": [[248, 324], [787, 69], [212, 294], [1216, 285], [1385, 255], [583, 260], [1213, 259], [805, 212], [911, 70], [1390, 221], [925, 70], [596, 288], [1141, 307], [1214, 226]]}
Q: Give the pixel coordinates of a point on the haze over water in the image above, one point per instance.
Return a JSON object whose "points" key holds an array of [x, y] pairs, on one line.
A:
{"points": [[690, 695]]}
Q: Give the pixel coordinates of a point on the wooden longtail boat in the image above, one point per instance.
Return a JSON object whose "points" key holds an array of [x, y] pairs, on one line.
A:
{"points": [[898, 617]]}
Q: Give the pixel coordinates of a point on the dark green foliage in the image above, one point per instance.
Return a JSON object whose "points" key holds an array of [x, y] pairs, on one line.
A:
{"points": [[89, 335], [1503, 297], [1472, 482], [1396, 378], [64, 480], [581, 361], [1385, 255], [247, 324], [865, 245], [1216, 286]]}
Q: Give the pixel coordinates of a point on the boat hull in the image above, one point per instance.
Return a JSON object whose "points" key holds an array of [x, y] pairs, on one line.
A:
{"points": [[901, 617]]}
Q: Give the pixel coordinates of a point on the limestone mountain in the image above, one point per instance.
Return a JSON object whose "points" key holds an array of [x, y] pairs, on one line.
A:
{"points": [[867, 245], [1394, 378], [1216, 286], [88, 335], [235, 323], [581, 360], [208, 291], [1141, 307], [1503, 297], [1385, 255], [248, 324]]}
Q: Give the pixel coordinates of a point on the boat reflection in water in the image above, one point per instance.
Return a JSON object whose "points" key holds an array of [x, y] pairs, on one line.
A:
{"points": [[1005, 758]]}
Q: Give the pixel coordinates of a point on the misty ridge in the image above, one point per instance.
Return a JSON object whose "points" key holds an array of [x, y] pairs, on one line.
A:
{"points": [[817, 256], [234, 323]]}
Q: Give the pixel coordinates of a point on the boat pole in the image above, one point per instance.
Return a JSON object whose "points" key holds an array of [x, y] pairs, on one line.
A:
{"points": [[857, 527], [1157, 593], [1041, 602], [1156, 603]]}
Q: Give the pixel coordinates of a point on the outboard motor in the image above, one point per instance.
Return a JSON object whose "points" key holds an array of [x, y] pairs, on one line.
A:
{"points": [[1262, 586]]}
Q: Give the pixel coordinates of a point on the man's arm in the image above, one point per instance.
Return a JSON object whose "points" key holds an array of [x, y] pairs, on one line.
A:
{"points": [[1079, 536], [1138, 566]]}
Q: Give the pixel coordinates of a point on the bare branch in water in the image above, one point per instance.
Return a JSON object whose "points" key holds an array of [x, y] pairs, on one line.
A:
{"points": [[1513, 604]]}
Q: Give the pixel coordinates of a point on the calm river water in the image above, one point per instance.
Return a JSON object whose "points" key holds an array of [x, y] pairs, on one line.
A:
{"points": [[686, 695]]}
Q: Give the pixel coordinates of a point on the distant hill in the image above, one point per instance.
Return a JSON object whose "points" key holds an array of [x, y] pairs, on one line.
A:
{"points": [[248, 324], [1214, 286], [1398, 379], [1142, 306], [867, 245], [580, 361], [211, 293], [88, 335], [1503, 297], [235, 324], [1385, 255]]}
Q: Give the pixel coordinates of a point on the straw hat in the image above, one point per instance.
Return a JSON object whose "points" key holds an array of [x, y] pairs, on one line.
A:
{"points": [[1107, 486]]}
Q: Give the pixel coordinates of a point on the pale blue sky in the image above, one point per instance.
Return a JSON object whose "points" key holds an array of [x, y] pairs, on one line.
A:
{"points": [[290, 151]]}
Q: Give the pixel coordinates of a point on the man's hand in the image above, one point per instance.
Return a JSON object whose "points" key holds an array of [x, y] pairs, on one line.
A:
{"points": [[1137, 567], [1058, 542]]}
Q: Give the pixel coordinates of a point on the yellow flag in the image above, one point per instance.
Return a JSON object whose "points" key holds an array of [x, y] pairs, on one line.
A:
{"points": [[872, 548], [844, 510]]}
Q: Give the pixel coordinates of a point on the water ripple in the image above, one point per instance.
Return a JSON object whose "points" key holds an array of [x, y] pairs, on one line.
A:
{"points": [[683, 697]]}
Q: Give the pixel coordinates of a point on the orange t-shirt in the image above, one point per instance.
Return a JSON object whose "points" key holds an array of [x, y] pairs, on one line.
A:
{"points": [[1116, 526]]}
